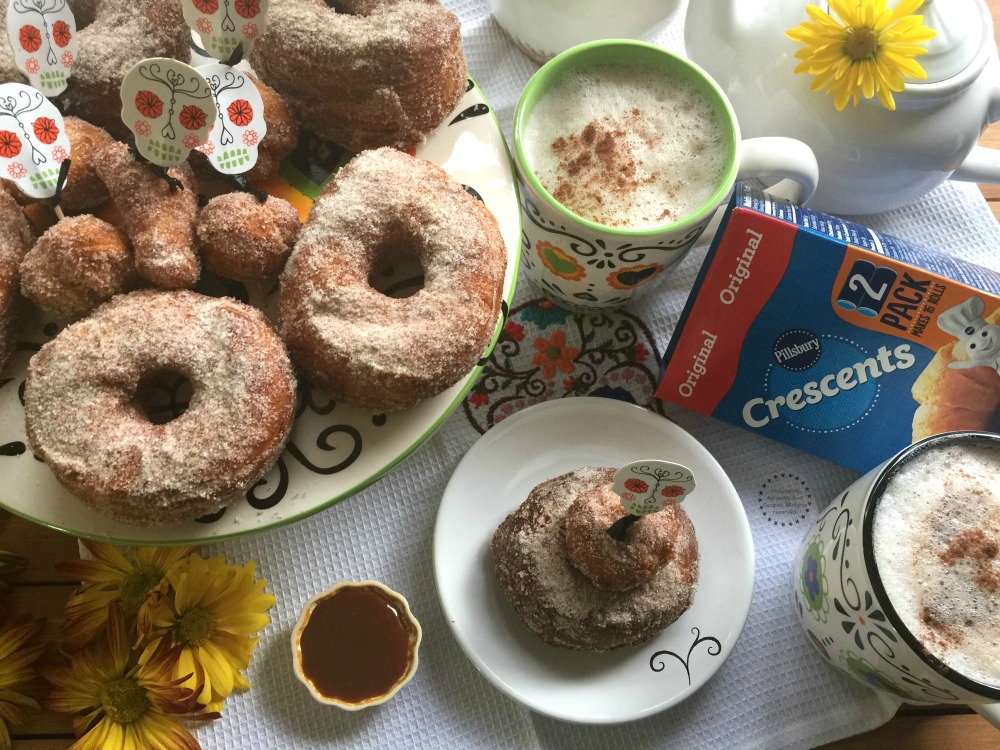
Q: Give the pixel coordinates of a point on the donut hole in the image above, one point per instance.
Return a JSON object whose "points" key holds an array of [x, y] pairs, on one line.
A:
{"points": [[163, 396], [396, 273]]}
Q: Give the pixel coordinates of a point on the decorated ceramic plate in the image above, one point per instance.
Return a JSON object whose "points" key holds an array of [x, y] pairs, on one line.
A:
{"points": [[495, 477], [335, 450]]}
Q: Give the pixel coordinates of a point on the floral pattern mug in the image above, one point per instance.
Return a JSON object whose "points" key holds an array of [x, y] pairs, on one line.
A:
{"points": [[585, 266], [845, 612]]}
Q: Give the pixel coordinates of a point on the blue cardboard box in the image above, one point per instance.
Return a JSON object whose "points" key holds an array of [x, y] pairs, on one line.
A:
{"points": [[833, 338]]}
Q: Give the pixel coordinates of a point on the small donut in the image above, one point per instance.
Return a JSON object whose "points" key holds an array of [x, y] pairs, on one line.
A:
{"points": [[122, 33], [560, 604], [364, 73], [83, 190], [380, 352], [614, 565], [83, 421], [159, 221], [75, 266], [16, 238], [241, 238]]}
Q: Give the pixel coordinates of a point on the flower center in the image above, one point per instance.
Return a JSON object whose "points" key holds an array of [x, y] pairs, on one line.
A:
{"points": [[125, 701], [136, 587], [194, 626], [861, 44], [554, 352]]}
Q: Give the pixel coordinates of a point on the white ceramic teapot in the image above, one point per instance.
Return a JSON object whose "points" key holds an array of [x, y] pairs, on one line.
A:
{"points": [[870, 159]]}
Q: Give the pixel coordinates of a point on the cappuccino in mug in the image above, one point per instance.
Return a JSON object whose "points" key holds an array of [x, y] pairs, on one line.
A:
{"points": [[936, 544], [626, 146]]}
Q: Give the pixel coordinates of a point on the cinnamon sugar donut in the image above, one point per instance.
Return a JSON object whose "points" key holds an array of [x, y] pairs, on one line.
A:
{"points": [[159, 221], [379, 352], [83, 421], [560, 604], [76, 265], [649, 543], [364, 73], [241, 238]]}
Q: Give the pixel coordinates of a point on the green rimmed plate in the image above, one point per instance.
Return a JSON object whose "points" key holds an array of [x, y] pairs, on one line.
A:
{"points": [[335, 450]]}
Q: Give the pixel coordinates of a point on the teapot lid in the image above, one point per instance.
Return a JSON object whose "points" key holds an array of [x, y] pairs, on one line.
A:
{"points": [[960, 29]]}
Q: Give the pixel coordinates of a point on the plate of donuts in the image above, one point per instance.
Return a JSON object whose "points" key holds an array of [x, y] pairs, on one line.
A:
{"points": [[334, 449], [627, 682]]}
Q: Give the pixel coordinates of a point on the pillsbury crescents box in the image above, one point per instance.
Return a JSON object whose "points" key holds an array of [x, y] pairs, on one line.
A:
{"points": [[833, 338]]}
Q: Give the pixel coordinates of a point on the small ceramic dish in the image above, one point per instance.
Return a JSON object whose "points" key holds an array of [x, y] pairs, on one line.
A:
{"points": [[355, 644]]}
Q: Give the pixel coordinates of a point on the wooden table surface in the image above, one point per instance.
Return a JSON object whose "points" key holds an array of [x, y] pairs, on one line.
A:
{"points": [[42, 591]]}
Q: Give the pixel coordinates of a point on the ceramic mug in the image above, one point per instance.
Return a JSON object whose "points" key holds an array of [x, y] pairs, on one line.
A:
{"points": [[544, 28], [844, 608], [585, 266]]}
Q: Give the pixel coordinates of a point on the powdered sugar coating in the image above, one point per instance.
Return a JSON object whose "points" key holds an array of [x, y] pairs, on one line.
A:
{"points": [[82, 420], [364, 73], [380, 352], [561, 605]]}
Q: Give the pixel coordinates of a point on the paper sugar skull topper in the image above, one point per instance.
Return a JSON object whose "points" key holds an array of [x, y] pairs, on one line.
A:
{"points": [[168, 105], [232, 145], [226, 25], [42, 34], [33, 141], [646, 487]]}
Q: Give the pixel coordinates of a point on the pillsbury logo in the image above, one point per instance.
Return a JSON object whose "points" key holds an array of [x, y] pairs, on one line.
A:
{"points": [[797, 349]]}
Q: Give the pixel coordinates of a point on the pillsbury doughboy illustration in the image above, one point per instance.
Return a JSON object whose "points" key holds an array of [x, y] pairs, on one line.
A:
{"points": [[979, 339]]}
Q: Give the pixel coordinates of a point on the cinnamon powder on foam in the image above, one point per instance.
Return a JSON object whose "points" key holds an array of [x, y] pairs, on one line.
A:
{"points": [[626, 147]]}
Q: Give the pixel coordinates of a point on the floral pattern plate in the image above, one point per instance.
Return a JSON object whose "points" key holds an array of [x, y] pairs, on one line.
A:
{"points": [[335, 450], [543, 441]]}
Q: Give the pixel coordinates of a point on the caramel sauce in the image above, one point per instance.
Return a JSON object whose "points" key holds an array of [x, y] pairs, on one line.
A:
{"points": [[356, 645]]}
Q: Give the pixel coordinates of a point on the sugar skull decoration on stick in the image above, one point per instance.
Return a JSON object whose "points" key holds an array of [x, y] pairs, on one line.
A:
{"points": [[233, 142], [225, 26], [42, 35], [646, 487], [33, 141], [227, 29], [168, 106]]}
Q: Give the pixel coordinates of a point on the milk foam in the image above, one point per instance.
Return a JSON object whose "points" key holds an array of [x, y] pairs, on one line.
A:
{"points": [[625, 146], [936, 539]]}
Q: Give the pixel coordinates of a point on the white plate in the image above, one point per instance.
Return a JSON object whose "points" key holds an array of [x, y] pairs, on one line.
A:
{"points": [[334, 450], [497, 474]]}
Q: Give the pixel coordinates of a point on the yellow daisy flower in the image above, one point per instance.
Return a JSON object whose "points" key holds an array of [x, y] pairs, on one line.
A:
{"points": [[128, 576], [17, 672], [213, 615], [868, 52], [119, 705]]}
